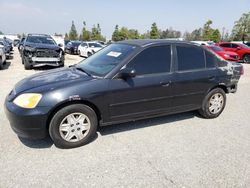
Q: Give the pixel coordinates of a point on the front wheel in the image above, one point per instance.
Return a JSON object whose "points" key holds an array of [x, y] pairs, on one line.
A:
{"points": [[27, 65], [73, 126], [89, 54], [1, 64], [213, 104], [246, 58]]}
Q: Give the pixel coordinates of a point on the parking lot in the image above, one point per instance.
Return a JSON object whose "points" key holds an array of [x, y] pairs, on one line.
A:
{"points": [[181, 150]]}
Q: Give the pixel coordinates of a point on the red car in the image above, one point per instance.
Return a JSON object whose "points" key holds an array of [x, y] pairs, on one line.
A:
{"points": [[241, 49], [227, 55]]}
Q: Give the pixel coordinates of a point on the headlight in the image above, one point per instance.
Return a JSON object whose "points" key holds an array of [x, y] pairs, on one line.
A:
{"points": [[28, 100], [30, 49]]}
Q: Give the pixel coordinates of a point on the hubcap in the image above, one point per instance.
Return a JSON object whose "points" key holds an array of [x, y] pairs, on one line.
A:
{"points": [[246, 59], [216, 103], [74, 127]]}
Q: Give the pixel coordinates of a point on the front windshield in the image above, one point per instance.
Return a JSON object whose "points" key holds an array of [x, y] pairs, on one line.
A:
{"points": [[216, 48], [40, 39], [106, 59], [96, 45], [245, 46]]}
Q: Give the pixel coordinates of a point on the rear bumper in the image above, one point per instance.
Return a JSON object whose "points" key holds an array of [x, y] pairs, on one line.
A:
{"points": [[27, 123]]}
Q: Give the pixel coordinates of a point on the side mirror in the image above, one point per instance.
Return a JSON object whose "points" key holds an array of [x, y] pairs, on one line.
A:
{"points": [[238, 48], [126, 73], [60, 45]]}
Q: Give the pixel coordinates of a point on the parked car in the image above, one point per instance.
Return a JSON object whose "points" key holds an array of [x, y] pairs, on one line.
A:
{"points": [[247, 43], [6, 45], [125, 81], [87, 49], [16, 42], [40, 50], [9, 42], [241, 49], [20, 45], [227, 55], [72, 47], [2, 56], [204, 42]]}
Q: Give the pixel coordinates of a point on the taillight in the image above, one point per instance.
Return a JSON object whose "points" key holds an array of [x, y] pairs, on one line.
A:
{"points": [[242, 70]]}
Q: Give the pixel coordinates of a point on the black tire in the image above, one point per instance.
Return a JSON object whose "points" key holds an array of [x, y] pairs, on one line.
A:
{"points": [[61, 64], [246, 58], [1, 64], [89, 54], [205, 111], [59, 117], [27, 65]]}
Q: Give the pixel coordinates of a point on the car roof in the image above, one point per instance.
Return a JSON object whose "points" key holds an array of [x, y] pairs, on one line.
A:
{"points": [[147, 42]]}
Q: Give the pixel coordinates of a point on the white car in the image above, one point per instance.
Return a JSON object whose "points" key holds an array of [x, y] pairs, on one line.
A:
{"points": [[87, 49], [2, 56]]}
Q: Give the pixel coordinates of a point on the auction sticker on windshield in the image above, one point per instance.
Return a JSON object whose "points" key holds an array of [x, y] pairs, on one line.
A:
{"points": [[114, 54]]}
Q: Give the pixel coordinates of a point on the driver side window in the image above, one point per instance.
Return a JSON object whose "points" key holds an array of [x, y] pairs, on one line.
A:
{"points": [[153, 60]]}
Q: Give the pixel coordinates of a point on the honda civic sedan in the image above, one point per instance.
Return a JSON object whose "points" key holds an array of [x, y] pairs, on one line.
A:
{"points": [[125, 81]]}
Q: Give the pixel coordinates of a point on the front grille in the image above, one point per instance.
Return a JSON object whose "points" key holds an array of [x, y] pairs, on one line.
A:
{"points": [[47, 53]]}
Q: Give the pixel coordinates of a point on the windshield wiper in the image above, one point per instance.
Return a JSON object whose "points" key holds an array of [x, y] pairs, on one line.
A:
{"points": [[81, 69]]}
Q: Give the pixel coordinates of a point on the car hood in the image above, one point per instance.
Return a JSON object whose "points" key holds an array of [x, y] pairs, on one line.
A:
{"points": [[42, 46], [51, 77]]}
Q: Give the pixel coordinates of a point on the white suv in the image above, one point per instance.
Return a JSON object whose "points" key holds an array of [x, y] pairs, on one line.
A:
{"points": [[87, 49]]}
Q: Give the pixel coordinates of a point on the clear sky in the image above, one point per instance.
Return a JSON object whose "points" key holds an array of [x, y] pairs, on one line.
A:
{"points": [[50, 16]]}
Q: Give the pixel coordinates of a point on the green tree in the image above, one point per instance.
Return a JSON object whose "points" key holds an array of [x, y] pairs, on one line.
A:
{"points": [[73, 33], [96, 33], [207, 30], [120, 34], [154, 33], [133, 34], [86, 35], [215, 36], [170, 33], [124, 33], [196, 34], [241, 29], [115, 35], [66, 36], [1, 33]]}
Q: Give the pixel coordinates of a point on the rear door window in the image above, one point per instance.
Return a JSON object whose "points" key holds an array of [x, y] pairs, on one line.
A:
{"points": [[211, 60], [190, 57], [226, 45]]}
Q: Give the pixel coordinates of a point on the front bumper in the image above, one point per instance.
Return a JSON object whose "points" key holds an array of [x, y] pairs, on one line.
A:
{"points": [[27, 123], [42, 61]]}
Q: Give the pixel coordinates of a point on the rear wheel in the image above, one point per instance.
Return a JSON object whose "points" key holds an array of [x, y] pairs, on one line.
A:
{"points": [[246, 58], [73, 126], [213, 104]]}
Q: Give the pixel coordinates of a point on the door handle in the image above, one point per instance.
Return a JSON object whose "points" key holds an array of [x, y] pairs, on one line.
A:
{"points": [[211, 78], [165, 84]]}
